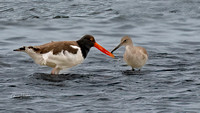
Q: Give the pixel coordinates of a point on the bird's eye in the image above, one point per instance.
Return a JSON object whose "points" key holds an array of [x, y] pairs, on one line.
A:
{"points": [[91, 39], [124, 40]]}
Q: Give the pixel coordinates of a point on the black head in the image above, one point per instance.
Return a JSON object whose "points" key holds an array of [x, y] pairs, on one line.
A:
{"points": [[86, 42]]}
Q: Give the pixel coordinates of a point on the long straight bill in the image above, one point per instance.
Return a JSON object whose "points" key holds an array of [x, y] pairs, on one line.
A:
{"points": [[116, 47], [103, 50]]}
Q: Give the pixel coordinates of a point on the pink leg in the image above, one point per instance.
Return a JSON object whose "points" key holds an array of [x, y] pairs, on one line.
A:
{"points": [[55, 71]]}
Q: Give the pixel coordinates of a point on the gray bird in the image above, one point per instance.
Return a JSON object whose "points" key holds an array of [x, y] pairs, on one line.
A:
{"points": [[134, 56]]}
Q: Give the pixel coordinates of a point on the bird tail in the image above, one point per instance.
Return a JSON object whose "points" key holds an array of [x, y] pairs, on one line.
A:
{"points": [[20, 49]]}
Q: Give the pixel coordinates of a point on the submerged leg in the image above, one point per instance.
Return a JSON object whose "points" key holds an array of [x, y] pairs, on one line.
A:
{"points": [[55, 71]]}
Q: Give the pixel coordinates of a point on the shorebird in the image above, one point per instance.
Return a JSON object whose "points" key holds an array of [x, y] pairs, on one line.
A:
{"points": [[134, 56], [62, 54]]}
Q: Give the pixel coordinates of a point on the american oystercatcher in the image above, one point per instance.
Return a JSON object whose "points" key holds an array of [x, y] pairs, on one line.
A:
{"points": [[63, 54], [134, 56]]}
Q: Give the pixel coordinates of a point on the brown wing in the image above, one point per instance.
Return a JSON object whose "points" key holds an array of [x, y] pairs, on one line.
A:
{"points": [[56, 47]]}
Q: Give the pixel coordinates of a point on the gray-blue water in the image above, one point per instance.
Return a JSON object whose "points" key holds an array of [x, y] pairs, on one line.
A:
{"points": [[168, 83]]}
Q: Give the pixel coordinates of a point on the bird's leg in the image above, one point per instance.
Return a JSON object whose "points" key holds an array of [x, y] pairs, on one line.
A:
{"points": [[55, 71], [133, 69]]}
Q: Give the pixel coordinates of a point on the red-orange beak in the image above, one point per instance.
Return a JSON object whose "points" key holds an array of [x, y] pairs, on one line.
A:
{"points": [[103, 50]]}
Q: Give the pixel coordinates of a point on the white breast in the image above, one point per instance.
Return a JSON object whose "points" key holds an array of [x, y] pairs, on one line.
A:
{"points": [[134, 57]]}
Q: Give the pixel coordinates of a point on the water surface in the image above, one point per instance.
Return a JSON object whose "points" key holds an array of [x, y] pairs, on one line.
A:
{"points": [[169, 82]]}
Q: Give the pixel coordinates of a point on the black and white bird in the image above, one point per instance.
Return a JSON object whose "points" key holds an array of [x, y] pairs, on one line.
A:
{"points": [[63, 54]]}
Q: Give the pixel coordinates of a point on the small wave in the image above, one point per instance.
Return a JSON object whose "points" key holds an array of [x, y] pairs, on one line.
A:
{"points": [[3, 65], [7, 10], [60, 16], [4, 43], [137, 72], [50, 29], [190, 43], [16, 38], [174, 11], [114, 83], [58, 78], [21, 96], [103, 99]]}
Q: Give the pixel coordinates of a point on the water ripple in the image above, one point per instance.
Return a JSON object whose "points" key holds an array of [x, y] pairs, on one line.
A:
{"points": [[169, 82]]}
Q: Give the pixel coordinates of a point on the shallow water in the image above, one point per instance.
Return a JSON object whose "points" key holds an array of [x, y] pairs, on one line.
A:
{"points": [[169, 82]]}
